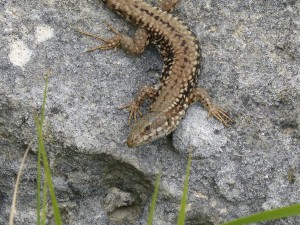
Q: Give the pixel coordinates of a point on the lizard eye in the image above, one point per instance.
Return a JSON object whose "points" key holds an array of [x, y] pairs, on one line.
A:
{"points": [[147, 128]]}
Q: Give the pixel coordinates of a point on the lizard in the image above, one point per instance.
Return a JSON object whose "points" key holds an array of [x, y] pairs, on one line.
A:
{"points": [[180, 52]]}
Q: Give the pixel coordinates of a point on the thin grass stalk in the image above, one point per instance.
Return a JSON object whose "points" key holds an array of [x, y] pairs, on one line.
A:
{"points": [[38, 195], [183, 203], [154, 200], [13, 205], [44, 209], [39, 127]]}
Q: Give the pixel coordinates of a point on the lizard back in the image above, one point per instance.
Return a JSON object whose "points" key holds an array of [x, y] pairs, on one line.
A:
{"points": [[177, 45]]}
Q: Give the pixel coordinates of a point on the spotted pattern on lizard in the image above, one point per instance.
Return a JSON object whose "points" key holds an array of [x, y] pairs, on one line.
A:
{"points": [[180, 52]]}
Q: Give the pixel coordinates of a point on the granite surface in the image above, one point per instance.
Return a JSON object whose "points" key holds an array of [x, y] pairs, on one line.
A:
{"points": [[250, 66]]}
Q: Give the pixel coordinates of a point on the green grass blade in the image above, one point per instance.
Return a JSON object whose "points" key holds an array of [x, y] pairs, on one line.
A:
{"points": [[267, 215], [154, 199], [44, 102], [39, 123], [38, 205], [44, 209], [181, 216], [41, 148]]}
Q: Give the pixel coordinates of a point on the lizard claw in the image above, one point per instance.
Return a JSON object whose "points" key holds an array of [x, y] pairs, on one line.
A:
{"points": [[134, 111], [220, 115]]}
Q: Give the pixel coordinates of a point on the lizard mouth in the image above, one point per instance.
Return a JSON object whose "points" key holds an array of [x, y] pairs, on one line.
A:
{"points": [[130, 143], [133, 141]]}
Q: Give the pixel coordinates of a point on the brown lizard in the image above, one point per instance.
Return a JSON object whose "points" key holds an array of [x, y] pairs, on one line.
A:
{"points": [[180, 52]]}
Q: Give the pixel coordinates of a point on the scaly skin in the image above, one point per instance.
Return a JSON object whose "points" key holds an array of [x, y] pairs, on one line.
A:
{"points": [[180, 52]]}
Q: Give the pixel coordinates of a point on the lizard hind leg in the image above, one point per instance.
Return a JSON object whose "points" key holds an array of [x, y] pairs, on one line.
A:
{"points": [[200, 95]]}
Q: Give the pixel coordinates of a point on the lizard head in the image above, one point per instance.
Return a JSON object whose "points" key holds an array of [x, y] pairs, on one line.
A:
{"points": [[149, 128]]}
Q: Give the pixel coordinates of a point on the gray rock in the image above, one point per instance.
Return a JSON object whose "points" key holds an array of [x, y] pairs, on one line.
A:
{"points": [[250, 66]]}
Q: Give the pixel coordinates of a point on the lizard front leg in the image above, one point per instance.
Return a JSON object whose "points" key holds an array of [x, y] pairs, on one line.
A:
{"points": [[146, 92], [168, 5], [131, 45]]}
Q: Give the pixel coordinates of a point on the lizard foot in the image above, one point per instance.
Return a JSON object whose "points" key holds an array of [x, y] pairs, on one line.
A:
{"points": [[220, 115], [111, 43], [134, 111]]}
